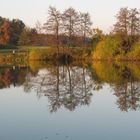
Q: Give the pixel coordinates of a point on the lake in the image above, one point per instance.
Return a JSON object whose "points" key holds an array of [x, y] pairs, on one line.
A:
{"points": [[50, 101]]}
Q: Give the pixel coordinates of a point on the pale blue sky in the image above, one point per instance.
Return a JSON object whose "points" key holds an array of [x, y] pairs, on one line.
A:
{"points": [[102, 11]]}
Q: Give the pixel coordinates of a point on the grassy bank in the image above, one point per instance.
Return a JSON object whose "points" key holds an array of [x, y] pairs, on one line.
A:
{"points": [[44, 53]]}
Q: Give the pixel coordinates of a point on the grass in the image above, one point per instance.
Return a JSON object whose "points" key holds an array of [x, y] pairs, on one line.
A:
{"points": [[32, 47], [39, 53]]}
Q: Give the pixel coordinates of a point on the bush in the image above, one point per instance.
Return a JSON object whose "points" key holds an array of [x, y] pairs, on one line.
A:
{"points": [[107, 48], [134, 54]]}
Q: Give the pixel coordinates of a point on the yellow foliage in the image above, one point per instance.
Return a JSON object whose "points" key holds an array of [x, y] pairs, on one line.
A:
{"points": [[106, 49], [106, 71]]}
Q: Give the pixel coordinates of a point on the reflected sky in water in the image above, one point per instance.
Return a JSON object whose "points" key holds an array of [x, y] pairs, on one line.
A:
{"points": [[105, 110]]}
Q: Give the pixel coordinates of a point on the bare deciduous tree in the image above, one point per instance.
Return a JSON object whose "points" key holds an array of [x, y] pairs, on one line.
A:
{"points": [[53, 24], [85, 25], [70, 24], [122, 24], [134, 22], [38, 27], [127, 27]]}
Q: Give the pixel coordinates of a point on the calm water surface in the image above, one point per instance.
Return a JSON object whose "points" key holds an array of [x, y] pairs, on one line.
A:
{"points": [[70, 102]]}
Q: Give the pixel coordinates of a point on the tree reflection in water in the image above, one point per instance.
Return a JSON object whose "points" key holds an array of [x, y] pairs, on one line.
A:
{"points": [[65, 86], [128, 96], [71, 86], [124, 79], [127, 91]]}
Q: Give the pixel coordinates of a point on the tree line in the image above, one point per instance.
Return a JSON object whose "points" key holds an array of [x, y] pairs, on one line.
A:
{"points": [[71, 28], [73, 24], [10, 31], [123, 42], [127, 27], [70, 24]]}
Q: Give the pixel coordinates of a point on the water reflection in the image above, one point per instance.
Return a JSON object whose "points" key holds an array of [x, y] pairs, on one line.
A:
{"points": [[68, 86], [10, 76], [72, 85], [124, 80]]}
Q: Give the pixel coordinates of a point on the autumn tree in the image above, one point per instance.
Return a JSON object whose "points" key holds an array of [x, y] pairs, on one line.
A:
{"points": [[53, 24], [97, 35], [16, 28], [85, 23], [24, 38], [70, 23], [4, 31], [122, 25], [10, 31], [134, 17], [127, 27]]}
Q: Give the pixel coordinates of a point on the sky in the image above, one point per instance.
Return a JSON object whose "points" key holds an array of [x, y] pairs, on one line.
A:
{"points": [[102, 11]]}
